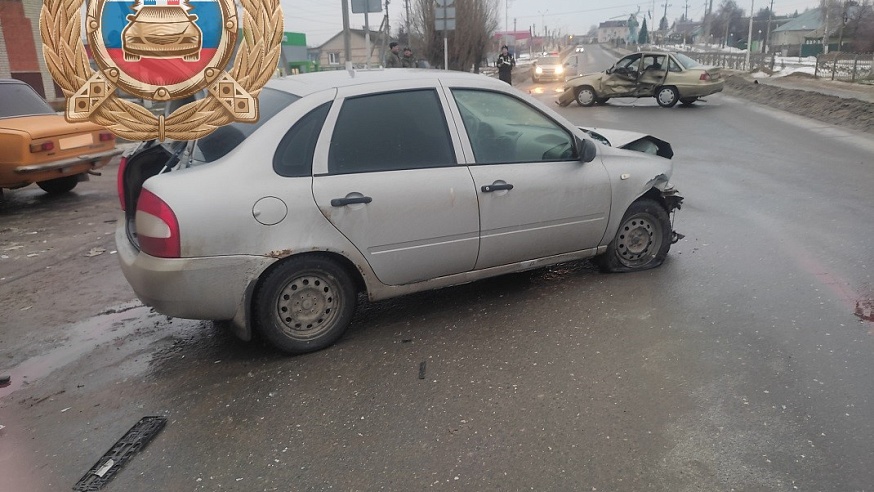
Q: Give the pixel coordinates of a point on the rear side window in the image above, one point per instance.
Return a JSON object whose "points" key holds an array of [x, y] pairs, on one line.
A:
{"points": [[294, 156], [226, 138], [391, 131], [20, 100]]}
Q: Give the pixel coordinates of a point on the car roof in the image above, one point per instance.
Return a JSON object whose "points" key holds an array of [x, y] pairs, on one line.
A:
{"points": [[308, 83], [12, 81]]}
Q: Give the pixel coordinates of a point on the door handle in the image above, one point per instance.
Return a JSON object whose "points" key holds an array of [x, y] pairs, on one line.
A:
{"points": [[496, 187], [342, 202]]}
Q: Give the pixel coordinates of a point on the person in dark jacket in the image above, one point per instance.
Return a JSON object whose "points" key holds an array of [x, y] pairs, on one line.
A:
{"points": [[505, 64], [408, 61], [392, 58]]}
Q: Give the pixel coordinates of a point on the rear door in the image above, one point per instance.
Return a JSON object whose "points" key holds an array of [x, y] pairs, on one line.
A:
{"points": [[536, 199], [388, 178]]}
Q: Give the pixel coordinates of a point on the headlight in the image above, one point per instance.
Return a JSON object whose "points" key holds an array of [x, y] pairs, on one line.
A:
{"points": [[538, 70], [559, 70]]}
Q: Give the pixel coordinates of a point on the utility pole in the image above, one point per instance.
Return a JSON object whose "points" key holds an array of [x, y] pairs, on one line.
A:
{"points": [[686, 15], [407, 6], [767, 47], [707, 22], [750, 35], [828, 7], [347, 36]]}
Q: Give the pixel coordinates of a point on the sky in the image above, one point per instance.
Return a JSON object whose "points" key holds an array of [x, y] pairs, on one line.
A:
{"points": [[320, 20]]}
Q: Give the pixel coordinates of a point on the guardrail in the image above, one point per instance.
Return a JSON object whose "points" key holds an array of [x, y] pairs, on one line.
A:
{"points": [[733, 61], [845, 66]]}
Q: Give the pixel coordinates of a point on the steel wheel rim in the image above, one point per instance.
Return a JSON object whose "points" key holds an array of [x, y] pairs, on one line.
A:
{"points": [[639, 240], [585, 97], [308, 306], [666, 96]]}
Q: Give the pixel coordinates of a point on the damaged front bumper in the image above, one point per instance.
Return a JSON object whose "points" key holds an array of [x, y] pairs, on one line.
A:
{"points": [[673, 202]]}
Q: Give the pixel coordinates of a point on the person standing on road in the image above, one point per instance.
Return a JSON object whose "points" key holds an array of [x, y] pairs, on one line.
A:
{"points": [[407, 61], [505, 64], [392, 59]]}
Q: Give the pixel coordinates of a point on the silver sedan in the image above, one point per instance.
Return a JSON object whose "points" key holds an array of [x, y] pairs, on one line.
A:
{"points": [[384, 183]]}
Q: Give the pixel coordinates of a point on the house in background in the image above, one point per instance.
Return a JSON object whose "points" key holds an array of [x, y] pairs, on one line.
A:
{"points": [[790, 37], [330, 55], [613, 30]]}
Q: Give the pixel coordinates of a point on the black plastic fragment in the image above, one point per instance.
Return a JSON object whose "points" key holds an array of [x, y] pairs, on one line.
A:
{"points": [[121, 452], [5, 381], [422, 370]]}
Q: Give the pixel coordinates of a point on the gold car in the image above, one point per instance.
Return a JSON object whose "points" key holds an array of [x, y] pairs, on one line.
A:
{"points": [[161, 32], [39, 146], [669, 77]]}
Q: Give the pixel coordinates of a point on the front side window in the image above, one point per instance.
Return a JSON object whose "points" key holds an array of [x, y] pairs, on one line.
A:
{"points": [[390, 131], [503, 129]]}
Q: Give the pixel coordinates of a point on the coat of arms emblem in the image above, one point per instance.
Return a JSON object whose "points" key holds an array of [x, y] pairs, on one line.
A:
{"points": [[161, 50]]}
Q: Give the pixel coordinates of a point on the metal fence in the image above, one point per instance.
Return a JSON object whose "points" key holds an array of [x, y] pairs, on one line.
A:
{"points": [[734, 61], [845, 66]]}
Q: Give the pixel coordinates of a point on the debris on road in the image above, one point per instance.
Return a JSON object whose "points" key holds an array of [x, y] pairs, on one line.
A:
{"points": [[132, 442], [422, 370], [5, 381], [95, 252]]}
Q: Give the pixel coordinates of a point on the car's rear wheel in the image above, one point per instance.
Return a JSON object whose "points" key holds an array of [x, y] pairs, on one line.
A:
{"points": [[59, 185], [305, 304], [688, 101], [642, 241], [667, 96], [586, 96]]}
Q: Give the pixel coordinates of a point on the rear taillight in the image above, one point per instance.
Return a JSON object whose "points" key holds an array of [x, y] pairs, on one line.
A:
{"points": [[157, 227], [106, 136], [42, 147], [119, 183], [704, 77]]}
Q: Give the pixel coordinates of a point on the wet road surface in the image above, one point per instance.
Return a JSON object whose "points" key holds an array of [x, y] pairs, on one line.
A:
{"points": [[743, 363]]}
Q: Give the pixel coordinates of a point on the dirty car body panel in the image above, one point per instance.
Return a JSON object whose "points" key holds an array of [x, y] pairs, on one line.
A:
{"points": [[475, 179]]}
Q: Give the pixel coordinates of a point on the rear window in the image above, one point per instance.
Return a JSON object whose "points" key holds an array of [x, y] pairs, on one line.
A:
{"points": [[21, 100], [225, 139], [685, 61]]}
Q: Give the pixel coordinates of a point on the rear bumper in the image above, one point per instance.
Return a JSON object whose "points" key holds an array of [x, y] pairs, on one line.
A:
{"points": [[700, 90], [207, 288], [34, 173]]}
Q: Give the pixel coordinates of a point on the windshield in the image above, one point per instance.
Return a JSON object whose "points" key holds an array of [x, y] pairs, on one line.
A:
{"points": [[225, 139], [548, 60], [685, 61], [21, 100]]}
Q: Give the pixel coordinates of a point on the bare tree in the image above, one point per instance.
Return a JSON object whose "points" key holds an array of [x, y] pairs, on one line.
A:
{"points": [[475, 23]]}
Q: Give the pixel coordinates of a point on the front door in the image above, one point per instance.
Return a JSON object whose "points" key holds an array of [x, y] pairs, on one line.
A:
{"points": [[621, 79], [394, 187], [536, 199]]}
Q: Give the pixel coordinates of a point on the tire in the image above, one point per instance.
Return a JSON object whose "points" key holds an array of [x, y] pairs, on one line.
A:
{"points": [[305, 304], [535, 80], [667, 96], [642, 241], [586, 96], [688, 101], [59, 185]]}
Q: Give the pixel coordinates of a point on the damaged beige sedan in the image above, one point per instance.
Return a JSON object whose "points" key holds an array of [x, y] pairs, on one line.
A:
{"points": [[382, 183], [669, 77]]}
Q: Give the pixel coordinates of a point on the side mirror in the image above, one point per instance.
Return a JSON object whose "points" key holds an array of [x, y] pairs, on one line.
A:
{"points": [[609, 70], [588, 150]]}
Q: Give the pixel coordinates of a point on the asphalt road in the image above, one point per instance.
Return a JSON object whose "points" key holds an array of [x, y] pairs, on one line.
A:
{"points": [[743, 363]]}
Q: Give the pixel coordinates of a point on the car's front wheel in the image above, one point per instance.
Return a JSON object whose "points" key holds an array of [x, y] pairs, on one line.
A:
{"points": [[59, 185], [305, 304], [586, 96], [642, 241], [667, 96]]}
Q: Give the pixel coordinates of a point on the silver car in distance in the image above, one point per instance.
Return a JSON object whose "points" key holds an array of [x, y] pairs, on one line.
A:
{"points": [[384, 183]]}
